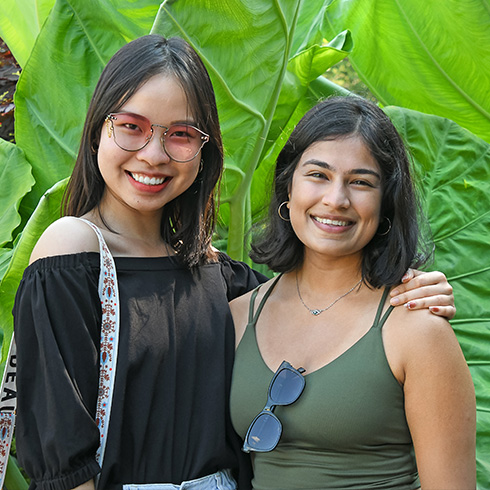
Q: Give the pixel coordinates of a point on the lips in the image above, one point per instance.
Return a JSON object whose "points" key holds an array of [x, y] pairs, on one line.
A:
{"points": [[332, 222], [147, 180], [148, 184]]}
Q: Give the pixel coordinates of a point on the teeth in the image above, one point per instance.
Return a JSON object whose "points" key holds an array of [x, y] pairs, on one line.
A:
{"points": [[144, 179], [332, 222]]}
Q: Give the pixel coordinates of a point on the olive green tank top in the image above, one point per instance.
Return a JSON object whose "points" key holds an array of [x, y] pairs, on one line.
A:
{"points": [[348, 428]]}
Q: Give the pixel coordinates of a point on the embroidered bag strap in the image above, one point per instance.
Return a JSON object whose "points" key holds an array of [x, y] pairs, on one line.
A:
{"points": [[109, 339], [8, 407]]}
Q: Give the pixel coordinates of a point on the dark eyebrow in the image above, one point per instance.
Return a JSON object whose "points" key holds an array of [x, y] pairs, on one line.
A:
{"points": [[353, 171], [364, 171]]}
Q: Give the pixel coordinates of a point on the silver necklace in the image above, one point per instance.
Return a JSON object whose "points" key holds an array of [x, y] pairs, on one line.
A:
{"points": [[316, 312]]}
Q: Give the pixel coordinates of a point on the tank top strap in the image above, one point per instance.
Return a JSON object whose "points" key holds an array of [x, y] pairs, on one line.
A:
{"points": [[377, 322], [252, 319]]}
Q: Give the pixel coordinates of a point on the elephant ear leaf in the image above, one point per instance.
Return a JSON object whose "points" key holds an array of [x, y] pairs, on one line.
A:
{"points": [[20, 23], [47, 211], [453, 169], [15, 173], [427, 56]]}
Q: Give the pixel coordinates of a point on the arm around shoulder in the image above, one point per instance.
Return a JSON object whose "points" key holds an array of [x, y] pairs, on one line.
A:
{"points": [[65, 236], [439, 403]]}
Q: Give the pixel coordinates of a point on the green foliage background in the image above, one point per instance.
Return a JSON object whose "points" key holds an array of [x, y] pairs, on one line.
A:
{"points": [[428, 59]]}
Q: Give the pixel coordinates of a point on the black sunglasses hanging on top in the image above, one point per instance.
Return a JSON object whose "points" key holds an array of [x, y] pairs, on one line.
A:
{"points": [[265, 430]]}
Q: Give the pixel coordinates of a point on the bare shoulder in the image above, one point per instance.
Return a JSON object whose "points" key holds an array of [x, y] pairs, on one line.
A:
{"points": [[240, 308], [239, 311], [239, 305], [65, 236], [418, 326], [415, 339]]}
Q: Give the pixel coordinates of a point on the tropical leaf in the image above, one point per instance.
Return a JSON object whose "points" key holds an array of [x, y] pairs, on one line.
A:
{"points": [[5, 256], [47, 211], [20, 23], [259, 36], [15, 173], [425, 55], [303, 69], [453, 167], [14, 479], [54, 89]]}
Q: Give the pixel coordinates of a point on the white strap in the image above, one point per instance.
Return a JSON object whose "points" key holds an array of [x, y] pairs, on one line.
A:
{"points": [[109, 340]]}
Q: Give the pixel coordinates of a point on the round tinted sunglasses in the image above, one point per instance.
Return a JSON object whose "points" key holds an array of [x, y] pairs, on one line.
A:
{"points": [[132, 132], [265, 430]]}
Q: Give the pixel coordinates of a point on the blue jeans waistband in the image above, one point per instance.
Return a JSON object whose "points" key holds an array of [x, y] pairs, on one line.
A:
{"points": [[222, 480]]}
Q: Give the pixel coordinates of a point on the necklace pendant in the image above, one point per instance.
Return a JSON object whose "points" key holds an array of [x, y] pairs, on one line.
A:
{"points": [[315, 312]]}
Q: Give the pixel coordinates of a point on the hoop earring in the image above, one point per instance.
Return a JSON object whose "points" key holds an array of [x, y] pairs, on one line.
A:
{"points": [[389, 227], [279, 211]]}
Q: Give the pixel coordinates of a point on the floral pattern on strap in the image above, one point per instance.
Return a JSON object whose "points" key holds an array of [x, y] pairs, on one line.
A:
{"points": [[7, 422], [109, 336]]}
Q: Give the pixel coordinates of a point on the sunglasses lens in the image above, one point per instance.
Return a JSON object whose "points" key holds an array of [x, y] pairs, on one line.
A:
{"points": [[264, 433], [131, 132], [183, 143], [287, 387]]}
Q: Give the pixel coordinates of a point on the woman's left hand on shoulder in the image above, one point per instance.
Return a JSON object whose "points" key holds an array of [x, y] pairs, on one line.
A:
{"points": [[420, 290]]}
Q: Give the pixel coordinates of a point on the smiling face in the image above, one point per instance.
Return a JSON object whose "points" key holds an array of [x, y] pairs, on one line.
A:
{"points": [[335, 198], [144, 181]]}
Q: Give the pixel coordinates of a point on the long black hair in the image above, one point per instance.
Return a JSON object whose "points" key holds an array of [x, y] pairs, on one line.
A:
{"points": [[188, 221], [388, 255]]}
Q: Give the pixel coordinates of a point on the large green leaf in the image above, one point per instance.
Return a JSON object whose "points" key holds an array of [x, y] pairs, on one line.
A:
{"points": [[428, 55], [15, 174], [304, 68], [20, 23], [76, 41], [453, 167], [47, 211], [5, 257], [259, 38]]}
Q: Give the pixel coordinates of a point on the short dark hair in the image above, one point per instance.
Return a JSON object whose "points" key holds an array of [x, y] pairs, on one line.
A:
{"points": [[387, 256], [188, 221]]}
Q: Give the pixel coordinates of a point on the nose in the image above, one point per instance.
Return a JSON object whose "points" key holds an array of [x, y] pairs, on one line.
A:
{"points": [[336, 196], [154, 153]]}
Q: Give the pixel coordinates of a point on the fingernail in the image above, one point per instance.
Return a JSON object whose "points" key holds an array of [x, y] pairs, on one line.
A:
{"points": [[405, 278], [395, 301], [411, 305], [395, 292], [435, 309]]}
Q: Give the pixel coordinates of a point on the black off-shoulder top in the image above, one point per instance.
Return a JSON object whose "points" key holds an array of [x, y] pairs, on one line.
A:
{"points": [[170, 420]]}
